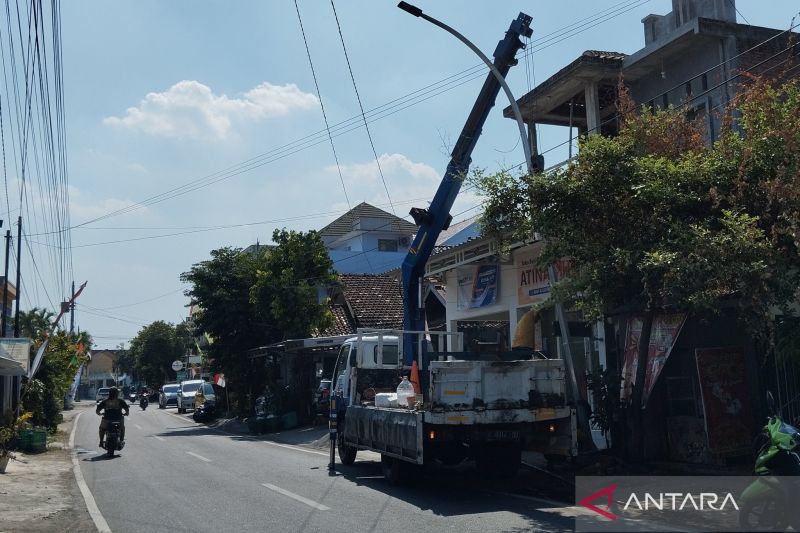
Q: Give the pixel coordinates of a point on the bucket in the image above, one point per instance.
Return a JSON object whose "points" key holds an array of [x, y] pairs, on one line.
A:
{"points": [[38, 442]]}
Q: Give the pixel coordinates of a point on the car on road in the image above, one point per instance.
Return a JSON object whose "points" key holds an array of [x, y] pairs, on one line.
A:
{"points": [[168, 395], [102, 394], [186, 394]]}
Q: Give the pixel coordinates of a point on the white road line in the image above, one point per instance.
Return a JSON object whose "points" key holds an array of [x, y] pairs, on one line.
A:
{"points": [[138, 426], [159, 438], [301, 499], [199, 457], [91, 506]]}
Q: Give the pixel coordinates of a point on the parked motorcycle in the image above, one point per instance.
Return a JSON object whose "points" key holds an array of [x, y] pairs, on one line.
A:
{"points": [[143, 402], [204, 412], [114, 440], [770, 502]]}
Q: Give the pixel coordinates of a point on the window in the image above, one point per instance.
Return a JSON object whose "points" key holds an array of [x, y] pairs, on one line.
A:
{"points": [[170, 388], [208, 389], [387, 245], [389, 354], [191, 387]]}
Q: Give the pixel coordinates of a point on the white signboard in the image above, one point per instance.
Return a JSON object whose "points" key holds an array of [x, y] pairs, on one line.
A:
{"points": [[177, 365]]}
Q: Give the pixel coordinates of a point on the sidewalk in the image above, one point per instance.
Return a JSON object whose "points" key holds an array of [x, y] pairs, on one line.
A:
{"points": [[38, 492]]}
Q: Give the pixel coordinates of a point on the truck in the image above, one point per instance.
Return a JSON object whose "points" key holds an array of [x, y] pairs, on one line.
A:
{"points": [[487, 407], [471, 405]]}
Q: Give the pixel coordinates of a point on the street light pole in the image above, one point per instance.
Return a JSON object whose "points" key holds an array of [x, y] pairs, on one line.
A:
{"points": [[583, 415]]}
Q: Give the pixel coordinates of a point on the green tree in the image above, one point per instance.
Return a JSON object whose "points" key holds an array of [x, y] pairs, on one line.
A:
{"points": [[44, 395], [654, 219], [34, 323], [154, 349], [251, 300]]}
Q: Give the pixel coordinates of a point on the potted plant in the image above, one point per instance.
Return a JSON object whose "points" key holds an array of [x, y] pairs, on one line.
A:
{"points": [[9, 431]]}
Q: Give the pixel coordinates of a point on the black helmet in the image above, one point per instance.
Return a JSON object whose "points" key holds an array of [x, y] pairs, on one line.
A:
{"points": [[113, 392]]}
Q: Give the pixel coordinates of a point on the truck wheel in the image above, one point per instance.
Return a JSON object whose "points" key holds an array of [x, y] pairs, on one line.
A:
{"points": [[499, 461], [347, 454]]}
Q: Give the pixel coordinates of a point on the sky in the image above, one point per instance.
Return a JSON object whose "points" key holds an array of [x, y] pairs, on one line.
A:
{"points": [[161, 94]]}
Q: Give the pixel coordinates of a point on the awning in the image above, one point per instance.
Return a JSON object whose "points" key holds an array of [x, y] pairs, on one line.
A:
{"points": [[10, 367]]}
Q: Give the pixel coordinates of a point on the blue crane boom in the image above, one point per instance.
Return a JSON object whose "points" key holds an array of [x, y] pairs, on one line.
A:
{"points": [[436, 218]]}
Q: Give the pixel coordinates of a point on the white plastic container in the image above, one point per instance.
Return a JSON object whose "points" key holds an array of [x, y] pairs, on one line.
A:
{"points": [[386, 399], [405, 390]]}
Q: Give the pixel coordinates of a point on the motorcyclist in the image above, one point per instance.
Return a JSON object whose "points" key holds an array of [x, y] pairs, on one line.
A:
{"points": [[112, 408]]}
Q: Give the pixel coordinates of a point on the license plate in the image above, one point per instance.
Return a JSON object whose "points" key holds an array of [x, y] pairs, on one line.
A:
{"points": [[503, 435]]}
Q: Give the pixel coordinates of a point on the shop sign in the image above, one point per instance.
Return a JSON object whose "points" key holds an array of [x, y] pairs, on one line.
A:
{"points": [[533, 283], [478, 286]]}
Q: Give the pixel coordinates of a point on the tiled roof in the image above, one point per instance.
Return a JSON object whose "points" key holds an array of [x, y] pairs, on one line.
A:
{"points": [[344, 224], [342, 324], [375, 300]]}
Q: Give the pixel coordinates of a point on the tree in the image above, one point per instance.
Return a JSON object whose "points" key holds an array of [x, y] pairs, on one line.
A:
{"points": [[44, 395], [251, 300], [34, 323], [154, 349], [654, 219]]}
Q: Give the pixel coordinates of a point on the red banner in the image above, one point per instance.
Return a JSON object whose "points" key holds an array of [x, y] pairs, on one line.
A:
{"points": [[663, 335], [726, 399]]}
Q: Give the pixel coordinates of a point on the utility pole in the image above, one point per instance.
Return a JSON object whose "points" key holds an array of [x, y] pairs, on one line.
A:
{"points": [[72, 311], [19, 261], [5, 285]]}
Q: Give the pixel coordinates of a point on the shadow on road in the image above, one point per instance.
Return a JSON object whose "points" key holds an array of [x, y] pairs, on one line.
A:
{"points": [[461, 491], [103, 457]]}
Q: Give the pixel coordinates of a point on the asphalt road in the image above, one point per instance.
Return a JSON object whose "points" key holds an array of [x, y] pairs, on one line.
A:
{"points": [[174, 475]]}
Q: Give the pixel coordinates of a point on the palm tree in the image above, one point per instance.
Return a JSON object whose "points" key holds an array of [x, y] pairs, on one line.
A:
{"points": [[34, 323]]}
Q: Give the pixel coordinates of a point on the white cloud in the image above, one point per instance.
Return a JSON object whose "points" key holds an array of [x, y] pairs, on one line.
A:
{"points": [[405, 179], [84, 207], [191, 110]]}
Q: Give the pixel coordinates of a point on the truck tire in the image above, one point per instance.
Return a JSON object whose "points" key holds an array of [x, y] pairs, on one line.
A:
{"points": [[499, 461], [395, 471], [347, 454]]}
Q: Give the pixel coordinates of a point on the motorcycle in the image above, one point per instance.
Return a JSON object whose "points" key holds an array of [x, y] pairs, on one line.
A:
{"points": [[769, 502], [143, 402], [113, 441], [204, 412]]}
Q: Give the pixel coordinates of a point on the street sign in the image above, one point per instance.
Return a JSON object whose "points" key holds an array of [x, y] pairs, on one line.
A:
{"points": [[177, 365], [181, 375]]}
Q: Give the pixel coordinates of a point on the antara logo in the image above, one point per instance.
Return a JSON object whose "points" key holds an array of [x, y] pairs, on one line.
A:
{"points": [[670, 501], [678, 501]]}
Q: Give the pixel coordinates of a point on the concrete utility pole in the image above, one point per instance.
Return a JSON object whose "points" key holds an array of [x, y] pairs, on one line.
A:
{"points": [[19, 262], [72, 311], [4, 320]]}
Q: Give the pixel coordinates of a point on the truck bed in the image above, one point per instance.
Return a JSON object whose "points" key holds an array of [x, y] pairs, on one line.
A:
{"points": [[394, 432]]}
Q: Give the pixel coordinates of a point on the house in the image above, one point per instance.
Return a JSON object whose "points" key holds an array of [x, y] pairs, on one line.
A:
{"points": [[14, 364], [100, 371]]}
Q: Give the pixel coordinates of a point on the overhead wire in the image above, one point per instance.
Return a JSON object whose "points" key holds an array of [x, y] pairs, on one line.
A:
{"points": [[361, 107], [378, 113]]}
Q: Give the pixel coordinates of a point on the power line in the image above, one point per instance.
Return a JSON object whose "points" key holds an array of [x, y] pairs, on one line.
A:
{"points": [[321, 105], [361, 107], [380, 112]]}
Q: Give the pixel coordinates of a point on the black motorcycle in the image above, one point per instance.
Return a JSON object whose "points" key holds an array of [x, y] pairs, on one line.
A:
{"points": [[204, 412], [114, 440], [143, 402]]}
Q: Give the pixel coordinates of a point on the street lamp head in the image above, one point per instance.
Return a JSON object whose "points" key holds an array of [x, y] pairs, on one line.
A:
{"points": [[408, 8]]}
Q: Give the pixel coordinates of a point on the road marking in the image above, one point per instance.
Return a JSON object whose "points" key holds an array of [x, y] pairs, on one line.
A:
{"points": [[91, 506], [199, 457], [301, 499], [138, 426], [159, 438], [291, 447]]}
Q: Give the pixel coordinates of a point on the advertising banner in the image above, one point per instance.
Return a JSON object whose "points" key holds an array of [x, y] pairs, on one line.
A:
{"points": [[477, 286], [726, 399], [533, 283], [663, 335]]}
